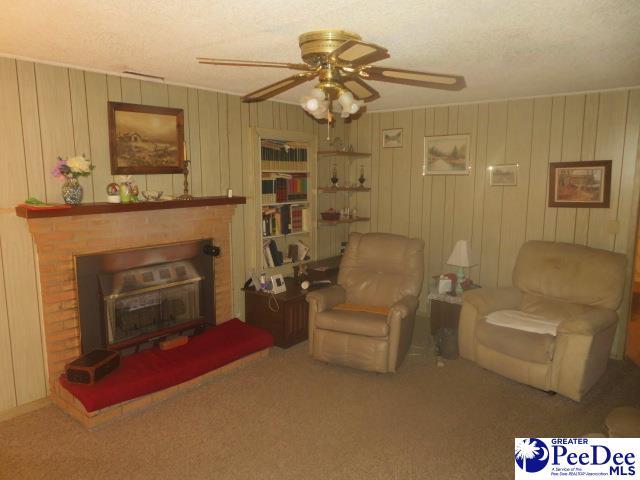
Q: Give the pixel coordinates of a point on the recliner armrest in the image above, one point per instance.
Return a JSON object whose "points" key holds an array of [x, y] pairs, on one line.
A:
{"points": [[401, 318], [403, 307], [326, 298], [589, 323], [487, 300]]}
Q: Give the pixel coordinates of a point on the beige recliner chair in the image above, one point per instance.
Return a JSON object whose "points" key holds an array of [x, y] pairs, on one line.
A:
{"points": [[366, 321], [580, 286]]}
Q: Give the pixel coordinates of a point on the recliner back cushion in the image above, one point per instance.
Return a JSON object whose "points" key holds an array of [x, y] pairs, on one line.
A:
{"points": [[378, 269], [571, 273]]}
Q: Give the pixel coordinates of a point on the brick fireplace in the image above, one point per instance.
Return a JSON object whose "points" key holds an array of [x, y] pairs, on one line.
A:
{"points": [[61, 235]]}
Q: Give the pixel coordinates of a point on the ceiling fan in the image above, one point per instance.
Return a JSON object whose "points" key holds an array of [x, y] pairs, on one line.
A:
{"points": [[342, 62]]}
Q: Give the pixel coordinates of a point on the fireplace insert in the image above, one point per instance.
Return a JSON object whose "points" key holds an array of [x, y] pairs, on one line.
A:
{"points": [[133, 296], [144, 300]]}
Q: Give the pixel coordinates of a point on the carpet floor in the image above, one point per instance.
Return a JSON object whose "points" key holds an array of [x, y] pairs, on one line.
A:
{"points": [[290, 417]]}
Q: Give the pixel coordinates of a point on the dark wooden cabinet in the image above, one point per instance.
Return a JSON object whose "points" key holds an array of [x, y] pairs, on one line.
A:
{"points": [[444, 327], [285, 315], [444, 315]]}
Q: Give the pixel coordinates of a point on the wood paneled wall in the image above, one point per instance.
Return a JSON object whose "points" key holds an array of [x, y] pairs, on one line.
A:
{"points": [[46, 111], [497, 220]]}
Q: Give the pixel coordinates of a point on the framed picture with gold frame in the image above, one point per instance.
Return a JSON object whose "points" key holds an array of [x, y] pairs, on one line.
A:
{"points": [[144, 139]]}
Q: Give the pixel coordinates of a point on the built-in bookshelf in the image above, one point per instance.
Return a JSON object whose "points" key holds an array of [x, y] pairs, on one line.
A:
{"points": [[285, 212]]}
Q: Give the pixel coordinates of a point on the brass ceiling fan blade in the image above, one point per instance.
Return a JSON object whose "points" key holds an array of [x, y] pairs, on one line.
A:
{"points": [[360, 89], [356, 53], [278, 87], [251, 63], [411, 77]]}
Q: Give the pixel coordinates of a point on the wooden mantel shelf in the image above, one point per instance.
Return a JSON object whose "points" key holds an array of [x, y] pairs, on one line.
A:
{"points": [[103, 207]]}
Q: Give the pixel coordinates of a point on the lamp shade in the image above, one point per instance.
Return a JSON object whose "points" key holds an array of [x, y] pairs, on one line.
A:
{"points": [[460, 255]]}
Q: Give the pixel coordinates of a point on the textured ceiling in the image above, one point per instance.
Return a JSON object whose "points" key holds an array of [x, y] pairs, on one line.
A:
{"points": [[504, 48]]}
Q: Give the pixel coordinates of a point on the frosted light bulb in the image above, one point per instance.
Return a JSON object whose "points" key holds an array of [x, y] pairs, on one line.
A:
{"points": [[353, 108], [345, 99], [312, 104], [344, 114]]}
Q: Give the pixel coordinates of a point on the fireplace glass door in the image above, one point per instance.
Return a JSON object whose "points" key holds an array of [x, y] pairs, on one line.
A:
{"points": [[149, 299]]}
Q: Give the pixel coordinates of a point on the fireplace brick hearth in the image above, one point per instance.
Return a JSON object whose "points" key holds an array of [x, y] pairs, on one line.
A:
{"points": [[60, 238]]}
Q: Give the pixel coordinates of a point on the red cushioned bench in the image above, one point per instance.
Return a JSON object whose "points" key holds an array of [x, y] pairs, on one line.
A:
{"points": [[153, 370]]}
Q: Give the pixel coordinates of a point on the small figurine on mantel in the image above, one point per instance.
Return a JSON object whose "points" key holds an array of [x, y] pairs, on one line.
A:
{"points": [[125, 187], [113, 193]]}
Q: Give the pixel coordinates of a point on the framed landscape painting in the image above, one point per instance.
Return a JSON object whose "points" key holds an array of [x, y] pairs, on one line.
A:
{"points": [[446, 155], [145, 139], [580, 184]]}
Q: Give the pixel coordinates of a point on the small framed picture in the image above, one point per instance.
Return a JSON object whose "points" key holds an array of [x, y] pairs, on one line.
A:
{"points": [[392, 138], [446, 155], [503, 175], [580, 184]]}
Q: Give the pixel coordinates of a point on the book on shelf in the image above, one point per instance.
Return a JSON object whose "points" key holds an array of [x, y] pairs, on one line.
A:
{"points": [[306, 220], [296, 218], [272, 256], [281, 188], [285, 224], [275, 253], [280, 155], [293, 252], [285, 219], [268, 191], [266, 252]]}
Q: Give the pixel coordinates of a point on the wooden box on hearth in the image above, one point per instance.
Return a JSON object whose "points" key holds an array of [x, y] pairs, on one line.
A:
{"points": [[93, 366]]}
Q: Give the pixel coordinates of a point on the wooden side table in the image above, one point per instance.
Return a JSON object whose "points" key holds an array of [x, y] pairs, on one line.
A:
{"points": [[289, 323], [445, 314]]}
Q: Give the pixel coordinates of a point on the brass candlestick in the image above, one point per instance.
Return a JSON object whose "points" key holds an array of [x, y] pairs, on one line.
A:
{"points": [[185, 172]]}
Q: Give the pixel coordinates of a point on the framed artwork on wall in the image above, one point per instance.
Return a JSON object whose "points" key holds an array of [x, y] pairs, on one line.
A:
{"points": [[503, 175], [392, 138], [446, 155], [145, 139], [580, 184]]}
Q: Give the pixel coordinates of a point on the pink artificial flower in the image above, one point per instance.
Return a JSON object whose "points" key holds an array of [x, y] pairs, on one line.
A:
{"points": [[56, 169], [61, 169]]}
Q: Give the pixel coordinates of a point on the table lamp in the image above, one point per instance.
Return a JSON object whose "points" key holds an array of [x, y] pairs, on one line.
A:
{"points": [[459, 258]]}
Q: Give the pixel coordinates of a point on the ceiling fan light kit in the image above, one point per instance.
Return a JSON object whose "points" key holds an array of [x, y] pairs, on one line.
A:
{"points": [[341, 61]]}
